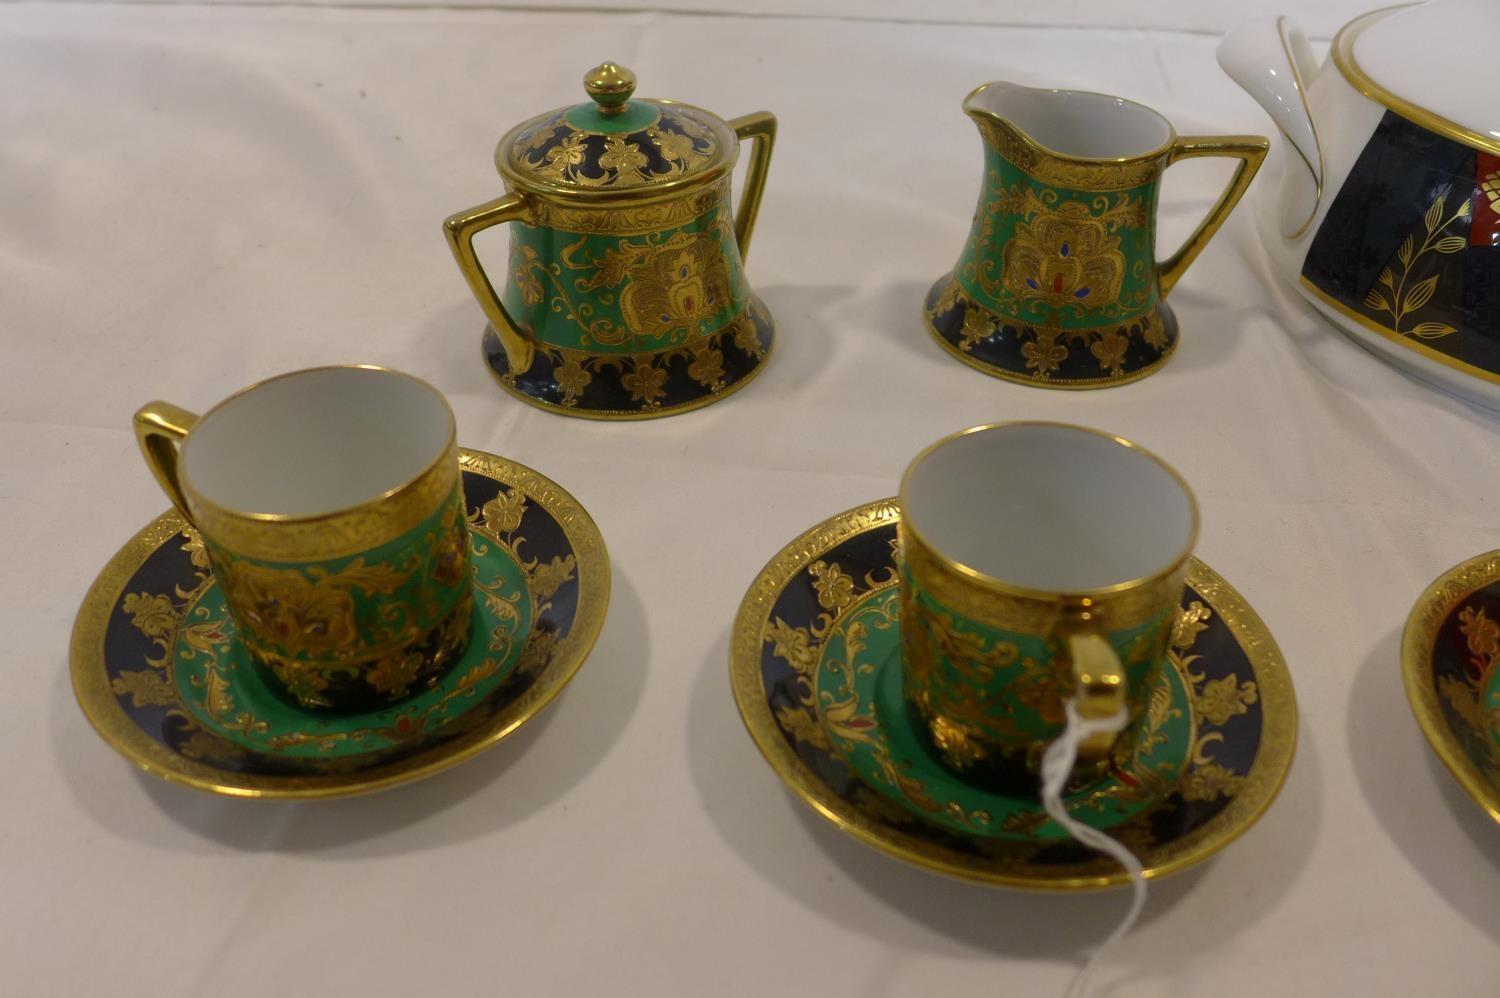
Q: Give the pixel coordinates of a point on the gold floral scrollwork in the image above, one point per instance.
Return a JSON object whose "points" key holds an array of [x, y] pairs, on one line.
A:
{"points": [[1214, 703], [306, 613], [835, 588], [1044, 354], [645, 382], [793, 645], [1398, 292], [707, 368], [1066, 255], [1225, 697], [676, 286], [1208, 780]]}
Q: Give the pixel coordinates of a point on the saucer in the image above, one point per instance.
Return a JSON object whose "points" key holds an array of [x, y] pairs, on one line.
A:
{"points": [[1449, 653], [815, 668], [159, 671], [639, 386], [1048, 358]]}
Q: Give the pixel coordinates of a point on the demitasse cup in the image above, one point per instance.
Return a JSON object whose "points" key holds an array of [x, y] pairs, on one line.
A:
{"points": [[1041, 563], [330, 505]]}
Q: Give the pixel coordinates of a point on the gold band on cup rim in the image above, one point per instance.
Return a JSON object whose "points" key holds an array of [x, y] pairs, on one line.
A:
{"points": [[1009, 606], [336, 533]]}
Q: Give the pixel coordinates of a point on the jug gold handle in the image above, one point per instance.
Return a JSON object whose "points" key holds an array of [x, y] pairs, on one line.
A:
{"points": [[1250, 150], [160, 429], [460, 230], [759, 128]]}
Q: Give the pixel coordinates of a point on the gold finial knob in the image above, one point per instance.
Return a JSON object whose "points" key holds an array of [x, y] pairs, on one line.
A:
{"points": [[611, 85]]}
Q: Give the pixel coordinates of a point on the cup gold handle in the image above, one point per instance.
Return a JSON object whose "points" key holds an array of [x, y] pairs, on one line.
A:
{"points": [[759, 128], [1250, 150], [460, 230], [160, 428], [1098, 684]]}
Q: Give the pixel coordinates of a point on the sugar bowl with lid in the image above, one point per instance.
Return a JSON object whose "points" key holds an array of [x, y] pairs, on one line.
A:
{"points": [[625, 294]]}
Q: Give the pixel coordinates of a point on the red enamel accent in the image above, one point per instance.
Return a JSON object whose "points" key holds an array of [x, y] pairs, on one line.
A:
{"points": [[1484, 230]]}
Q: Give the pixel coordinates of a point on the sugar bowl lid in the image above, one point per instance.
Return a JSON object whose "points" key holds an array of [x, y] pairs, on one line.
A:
{"points": [[616, 143]]}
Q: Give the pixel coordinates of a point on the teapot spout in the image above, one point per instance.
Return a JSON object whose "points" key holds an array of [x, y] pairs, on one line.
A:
{"points": [[1271, 61]]}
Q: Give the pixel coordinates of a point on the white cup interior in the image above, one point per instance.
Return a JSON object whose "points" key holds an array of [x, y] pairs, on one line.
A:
{"points": [[1075, 123], [1049, 507], [316, 441]]}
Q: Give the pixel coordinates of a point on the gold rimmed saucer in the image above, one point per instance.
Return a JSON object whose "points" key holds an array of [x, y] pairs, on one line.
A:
{"points": [[848, 764], [158, 670], [1449, 653]]}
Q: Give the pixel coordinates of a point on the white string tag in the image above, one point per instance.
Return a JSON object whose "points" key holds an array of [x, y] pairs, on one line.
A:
{"points": [[1057, 766]]}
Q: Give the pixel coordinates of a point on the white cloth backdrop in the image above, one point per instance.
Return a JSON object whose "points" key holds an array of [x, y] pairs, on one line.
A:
{"points": [[196, 197]]}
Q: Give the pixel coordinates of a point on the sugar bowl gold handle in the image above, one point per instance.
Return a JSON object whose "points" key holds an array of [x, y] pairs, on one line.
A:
{"points": [[160, 428], [1250, 150], [1098, 681], [460, 230], [759, 128]]}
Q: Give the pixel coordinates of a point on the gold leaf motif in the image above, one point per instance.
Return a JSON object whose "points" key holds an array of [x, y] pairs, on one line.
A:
{"points": [[1407, 247], [503, 513], [1431, 330], [835, 589], [645, 382], [707, 367], [216, 696], [196, 552], [1388, 278], [1420, 294], [393, 674], [1109, 348], [1434, 215], [1462, 697], [1044, 354], [976, 326], [1483, 634], [1376, 300], [1191, 622], [571, 378], [146, 688], [671, 145], [802, 726], [547, 579], [1223, 698], [1450, 244], [1465, 209], [540, 647], [793, 645], [1207, 781], [153, 616], [623, 157]]}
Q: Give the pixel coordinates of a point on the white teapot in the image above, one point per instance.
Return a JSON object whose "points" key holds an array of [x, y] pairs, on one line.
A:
{"points": [[1388, 217]]}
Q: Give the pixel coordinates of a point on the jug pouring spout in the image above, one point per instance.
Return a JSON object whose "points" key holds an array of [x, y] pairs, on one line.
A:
{"points": [[1067, 125], [1271, 61]]}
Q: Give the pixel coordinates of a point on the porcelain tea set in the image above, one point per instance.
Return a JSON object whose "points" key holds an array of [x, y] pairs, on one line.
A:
{"points": [[304, 627]]}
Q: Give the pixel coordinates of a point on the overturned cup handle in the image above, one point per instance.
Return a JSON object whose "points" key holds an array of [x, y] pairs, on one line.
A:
{"points": [[160, 428]]}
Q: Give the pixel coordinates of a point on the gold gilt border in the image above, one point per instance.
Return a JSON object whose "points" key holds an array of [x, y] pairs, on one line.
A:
{"points": [[102, 708], [1342, 52], [1260, 787], [629, 219], [1074, 172], [1420, 348], [1417, 641], [335, 535], [1036, 615]]}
